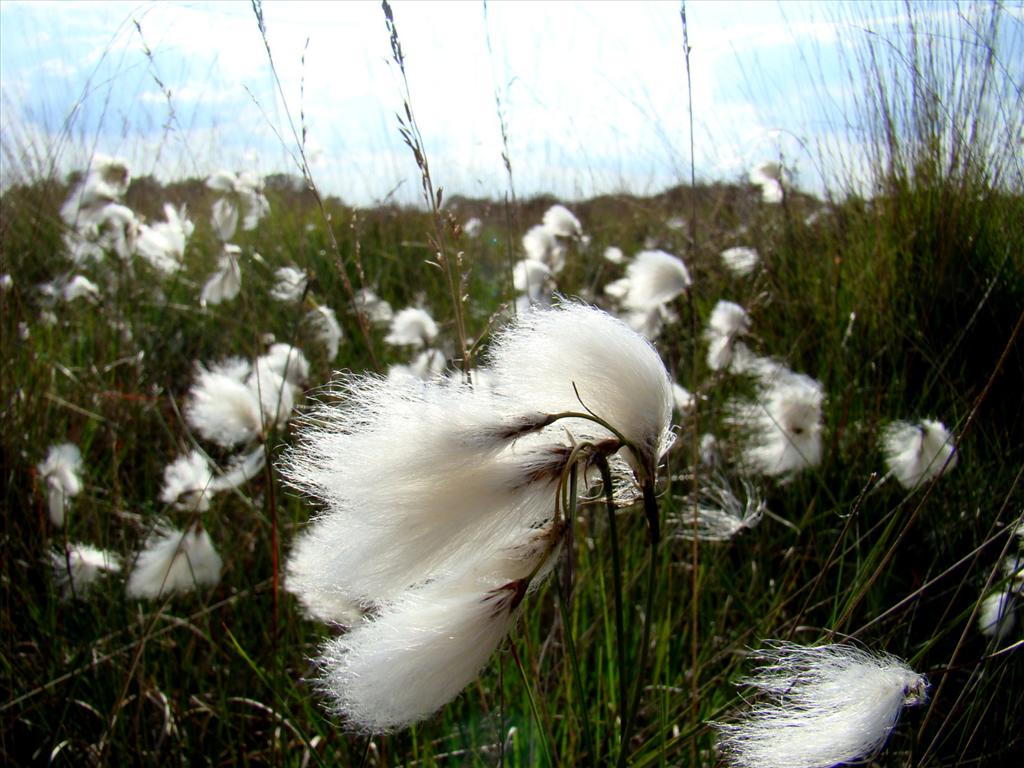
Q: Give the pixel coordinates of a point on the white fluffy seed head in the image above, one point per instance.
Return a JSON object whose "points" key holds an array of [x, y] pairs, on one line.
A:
{"points": [[721, 511], [541, 244], [326, 329], [561, 222], [174, 562], [188, 483], [413, 327], [727, 323], [740, 260], [783, 428], [224, 284], [413, 476], [80, 565], [223, 409], [420, 650], [162, 244], [290, 285], [997, 614], [821, 706], [655, 278], [61, 471], [917, 452], [574, 356]]}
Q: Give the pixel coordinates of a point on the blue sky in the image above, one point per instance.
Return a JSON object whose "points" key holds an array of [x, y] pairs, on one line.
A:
{"points": [[594, 93]]}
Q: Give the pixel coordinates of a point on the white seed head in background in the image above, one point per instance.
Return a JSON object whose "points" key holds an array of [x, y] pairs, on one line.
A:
{"points": [[61, 471], [916, 452], [174, 562], [80, 565], [820, 706]]}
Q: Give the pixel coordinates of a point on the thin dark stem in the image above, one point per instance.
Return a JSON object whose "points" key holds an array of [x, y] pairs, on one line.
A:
{"points": [[565, 590], [654, 536], [620, 632]]}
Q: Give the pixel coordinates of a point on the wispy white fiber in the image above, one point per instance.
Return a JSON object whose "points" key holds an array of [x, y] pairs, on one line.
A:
{"points": [[223, 409], [80, 287], [574, 356], [561, 222], [682, 399], [377, 311], [997, 613], [241, 469], [224, 219], [226, 281], [821, 706], [188, 482], [290, 285], [80, 565], [915, 452], [727, 323], [106, 181], [543, 245], [783, 427], [248, 187], [162, 243], [472, 227], [422, 649], [740, 260], [412, 326], [326, 329], [427, 364], [533, 278], [323, 595], [413, 476], [286, 361], [172, 562], [61, 471], [771, 177], [654, 278], [721, 510], [614, 255]]}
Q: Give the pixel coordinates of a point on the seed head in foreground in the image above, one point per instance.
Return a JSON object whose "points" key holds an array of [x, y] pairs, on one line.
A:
{"points": [[574, 356], [413, 657], [823, 706]]}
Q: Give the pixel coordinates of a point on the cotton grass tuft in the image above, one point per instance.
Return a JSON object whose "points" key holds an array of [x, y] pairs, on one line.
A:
{"points": [[917, 452], [821, 706], [174, 562]]}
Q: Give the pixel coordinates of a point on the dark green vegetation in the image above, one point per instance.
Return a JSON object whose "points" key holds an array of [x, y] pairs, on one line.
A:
{"points": [[932, 266]]}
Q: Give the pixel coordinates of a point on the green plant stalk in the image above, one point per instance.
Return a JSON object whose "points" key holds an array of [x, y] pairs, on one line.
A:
{"points": [[541, 730]]}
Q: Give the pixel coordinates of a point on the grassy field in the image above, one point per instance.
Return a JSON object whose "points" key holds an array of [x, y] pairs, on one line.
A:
{"points": [[905, 305]]}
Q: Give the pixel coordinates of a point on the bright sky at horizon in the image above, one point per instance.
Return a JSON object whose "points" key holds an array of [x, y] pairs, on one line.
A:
{"points": [[594, 94]]}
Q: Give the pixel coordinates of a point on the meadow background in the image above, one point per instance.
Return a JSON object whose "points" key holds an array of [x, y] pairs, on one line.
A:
{"points": [[895, 277]]}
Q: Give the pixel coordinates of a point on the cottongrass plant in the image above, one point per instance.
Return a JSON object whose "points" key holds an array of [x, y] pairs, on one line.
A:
{"points": [[61, 471], [782, 427], [740, 260], [721, 511], [653, 280], [821, 706], [174, 562], [728, 322], [916, 452], [412, 326], [325, 329], [772, 178], [443, 501], [77, 567]]}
